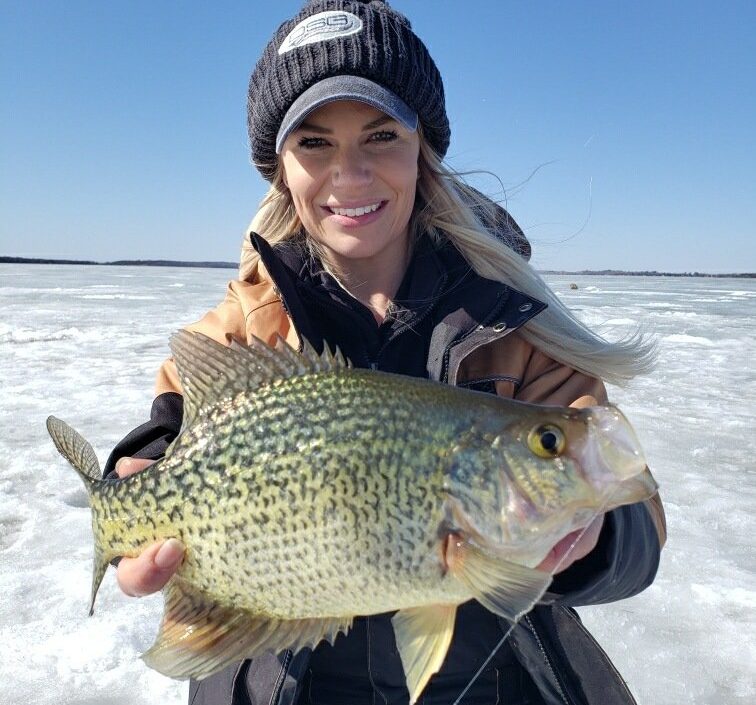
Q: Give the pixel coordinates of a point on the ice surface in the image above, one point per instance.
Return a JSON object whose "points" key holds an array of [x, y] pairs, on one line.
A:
{"points": [[84, 343]]}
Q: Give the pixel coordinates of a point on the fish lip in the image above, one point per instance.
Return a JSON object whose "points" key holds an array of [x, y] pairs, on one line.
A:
{"points": [[612, 459], [625, 449]]}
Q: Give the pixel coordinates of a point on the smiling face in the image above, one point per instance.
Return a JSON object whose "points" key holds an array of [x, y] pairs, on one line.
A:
{"points": [[352, 174]]}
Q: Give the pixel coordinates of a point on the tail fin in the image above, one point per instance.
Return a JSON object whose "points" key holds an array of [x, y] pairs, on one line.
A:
{"points": [[72, 446], [75, 450]]}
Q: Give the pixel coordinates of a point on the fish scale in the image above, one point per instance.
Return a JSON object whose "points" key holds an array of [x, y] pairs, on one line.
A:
{"points": [[307, 492]]}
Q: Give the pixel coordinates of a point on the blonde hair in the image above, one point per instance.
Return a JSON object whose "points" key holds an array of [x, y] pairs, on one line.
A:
{"points": [[448, 209]]}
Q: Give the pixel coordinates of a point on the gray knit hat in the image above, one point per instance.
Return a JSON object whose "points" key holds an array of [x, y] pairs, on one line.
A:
{"points": [[338, 50]]}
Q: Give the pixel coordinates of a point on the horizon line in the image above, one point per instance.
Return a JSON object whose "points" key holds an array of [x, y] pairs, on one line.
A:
{"points": [[213, 264]]}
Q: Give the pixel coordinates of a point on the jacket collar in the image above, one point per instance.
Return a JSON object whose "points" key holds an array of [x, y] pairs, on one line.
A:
{"points": [[467, 310], [296, 274]]}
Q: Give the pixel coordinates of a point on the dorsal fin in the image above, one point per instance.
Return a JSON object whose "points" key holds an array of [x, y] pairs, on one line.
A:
{"points": [[211, 372]]}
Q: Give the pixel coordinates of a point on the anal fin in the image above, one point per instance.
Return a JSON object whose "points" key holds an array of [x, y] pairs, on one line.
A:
{"points": [[505, 588], [198, 637], [423, 636]]}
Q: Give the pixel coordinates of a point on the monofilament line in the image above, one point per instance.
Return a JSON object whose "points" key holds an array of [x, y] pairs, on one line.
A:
{"points": [[483, 665], [509, 631]]}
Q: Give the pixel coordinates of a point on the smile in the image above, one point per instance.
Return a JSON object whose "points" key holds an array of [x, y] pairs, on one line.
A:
{"points": [[356, 212]]}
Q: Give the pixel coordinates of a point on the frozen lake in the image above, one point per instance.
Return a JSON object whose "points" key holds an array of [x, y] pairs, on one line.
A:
{"points": [[84, 343]]}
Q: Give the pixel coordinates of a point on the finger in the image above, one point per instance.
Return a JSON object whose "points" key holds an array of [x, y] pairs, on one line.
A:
{"points": [[584, 401], [151, 570], [128, 466]]}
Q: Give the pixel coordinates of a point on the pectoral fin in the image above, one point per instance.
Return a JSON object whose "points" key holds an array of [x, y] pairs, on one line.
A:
{"points": [[423, 635], [503, 587], [198, 637]]}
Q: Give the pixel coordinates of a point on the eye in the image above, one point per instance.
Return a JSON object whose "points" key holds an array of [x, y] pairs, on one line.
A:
{"points": [[311, 142], [547, 441], [383, 136]]}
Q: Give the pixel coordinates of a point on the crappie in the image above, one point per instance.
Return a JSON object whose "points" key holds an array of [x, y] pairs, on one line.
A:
{"points": [[307, 492]]}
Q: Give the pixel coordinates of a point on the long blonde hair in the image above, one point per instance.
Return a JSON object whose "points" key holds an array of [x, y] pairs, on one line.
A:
{"points": [[448, 209]]}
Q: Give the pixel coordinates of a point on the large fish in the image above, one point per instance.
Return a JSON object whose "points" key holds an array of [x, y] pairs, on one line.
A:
{"points": [[307, 493]]}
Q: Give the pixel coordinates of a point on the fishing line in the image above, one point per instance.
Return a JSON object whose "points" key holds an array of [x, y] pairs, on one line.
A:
{"points": [[600, 510]]}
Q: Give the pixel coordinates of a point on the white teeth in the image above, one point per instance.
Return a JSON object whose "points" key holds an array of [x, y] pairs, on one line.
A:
{"points": [[352, 212]]}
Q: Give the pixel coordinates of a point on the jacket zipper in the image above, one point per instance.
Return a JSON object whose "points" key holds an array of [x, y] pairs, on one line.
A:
{"points": [[373, 363], [547, 660], [281, 677], [427, 312]]}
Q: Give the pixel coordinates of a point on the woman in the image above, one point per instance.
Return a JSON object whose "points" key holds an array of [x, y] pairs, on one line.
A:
{"points": [[370, 243]]}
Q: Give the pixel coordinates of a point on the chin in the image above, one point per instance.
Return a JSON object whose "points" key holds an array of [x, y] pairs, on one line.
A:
{"points": [[349, 246]]}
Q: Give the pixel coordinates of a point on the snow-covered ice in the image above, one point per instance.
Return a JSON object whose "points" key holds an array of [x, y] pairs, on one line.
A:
{"points": [[84, 343]]}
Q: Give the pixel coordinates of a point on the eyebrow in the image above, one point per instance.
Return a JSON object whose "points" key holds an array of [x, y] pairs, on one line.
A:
{"points": [[324, 131]]}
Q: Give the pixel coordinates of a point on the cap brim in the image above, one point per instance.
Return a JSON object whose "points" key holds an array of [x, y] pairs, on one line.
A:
{"points": [[345, 88]]}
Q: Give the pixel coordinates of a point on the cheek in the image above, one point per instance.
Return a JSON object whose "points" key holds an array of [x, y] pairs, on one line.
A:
{"points": [[405, 184], [304, 191], [300, 180], [401, 173]]}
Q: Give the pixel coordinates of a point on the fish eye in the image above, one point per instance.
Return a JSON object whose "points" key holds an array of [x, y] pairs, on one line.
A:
{"points": [[547, 441]]}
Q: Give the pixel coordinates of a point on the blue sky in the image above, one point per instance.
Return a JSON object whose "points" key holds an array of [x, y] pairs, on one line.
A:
{"points": [[622, 132]]}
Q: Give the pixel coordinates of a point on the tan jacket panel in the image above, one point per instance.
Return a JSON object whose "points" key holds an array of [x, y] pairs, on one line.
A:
{"points": [[250, 309], [524, 373], [518, 370]]}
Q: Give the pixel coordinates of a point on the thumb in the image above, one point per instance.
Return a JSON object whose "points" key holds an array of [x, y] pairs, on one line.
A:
{"points": [[152, 569]]}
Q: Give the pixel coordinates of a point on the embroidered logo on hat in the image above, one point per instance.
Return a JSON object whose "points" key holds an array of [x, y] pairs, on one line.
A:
{"points": [[319, 28]]}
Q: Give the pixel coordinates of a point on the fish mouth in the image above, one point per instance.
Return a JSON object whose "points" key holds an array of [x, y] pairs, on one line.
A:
{"points": [[612, 458], [562, 548], [623, 453]]}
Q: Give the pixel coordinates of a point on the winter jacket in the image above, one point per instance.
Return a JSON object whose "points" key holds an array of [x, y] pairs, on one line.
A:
{"points": [[463, 332]]}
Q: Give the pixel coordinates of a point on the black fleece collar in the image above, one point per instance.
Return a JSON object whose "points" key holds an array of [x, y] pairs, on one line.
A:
{"points": [[466, 310]]}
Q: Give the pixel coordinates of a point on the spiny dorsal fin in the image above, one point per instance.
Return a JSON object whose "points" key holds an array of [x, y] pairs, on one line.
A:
{"points": [[211, 372], [77, 451], [198, 637]]}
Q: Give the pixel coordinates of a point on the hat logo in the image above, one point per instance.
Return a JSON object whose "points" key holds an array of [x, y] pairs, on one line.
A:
{"points": [[321, 27]]}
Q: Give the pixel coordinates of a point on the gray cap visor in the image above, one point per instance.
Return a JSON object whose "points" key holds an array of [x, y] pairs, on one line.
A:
{"points": [[345, 88]]}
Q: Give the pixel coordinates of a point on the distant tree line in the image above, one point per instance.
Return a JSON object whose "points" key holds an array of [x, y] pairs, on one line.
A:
{"points": [[121, 262], [651, 273], [234, 265]]}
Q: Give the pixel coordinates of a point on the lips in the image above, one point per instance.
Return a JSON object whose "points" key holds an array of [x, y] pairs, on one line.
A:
{"points": [[355, 210], [358, 211], [354, 214]]}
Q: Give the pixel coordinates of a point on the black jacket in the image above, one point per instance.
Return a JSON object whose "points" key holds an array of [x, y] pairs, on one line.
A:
{"points": [[439, 304]]}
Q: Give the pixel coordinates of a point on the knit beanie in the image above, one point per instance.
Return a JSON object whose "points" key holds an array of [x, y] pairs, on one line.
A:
{"points": [[344, 38]]}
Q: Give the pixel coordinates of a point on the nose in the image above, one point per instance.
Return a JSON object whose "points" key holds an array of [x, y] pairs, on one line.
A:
{"points": [[351, 169]]}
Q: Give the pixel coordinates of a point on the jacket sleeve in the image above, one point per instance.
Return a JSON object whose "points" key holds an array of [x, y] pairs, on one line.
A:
{"points": [[626, 557], [224, 323], [150, 440]]}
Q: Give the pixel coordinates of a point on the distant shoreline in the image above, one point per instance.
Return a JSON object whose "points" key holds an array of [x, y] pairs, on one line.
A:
{"points": [[121, 262], [235, 265]]}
